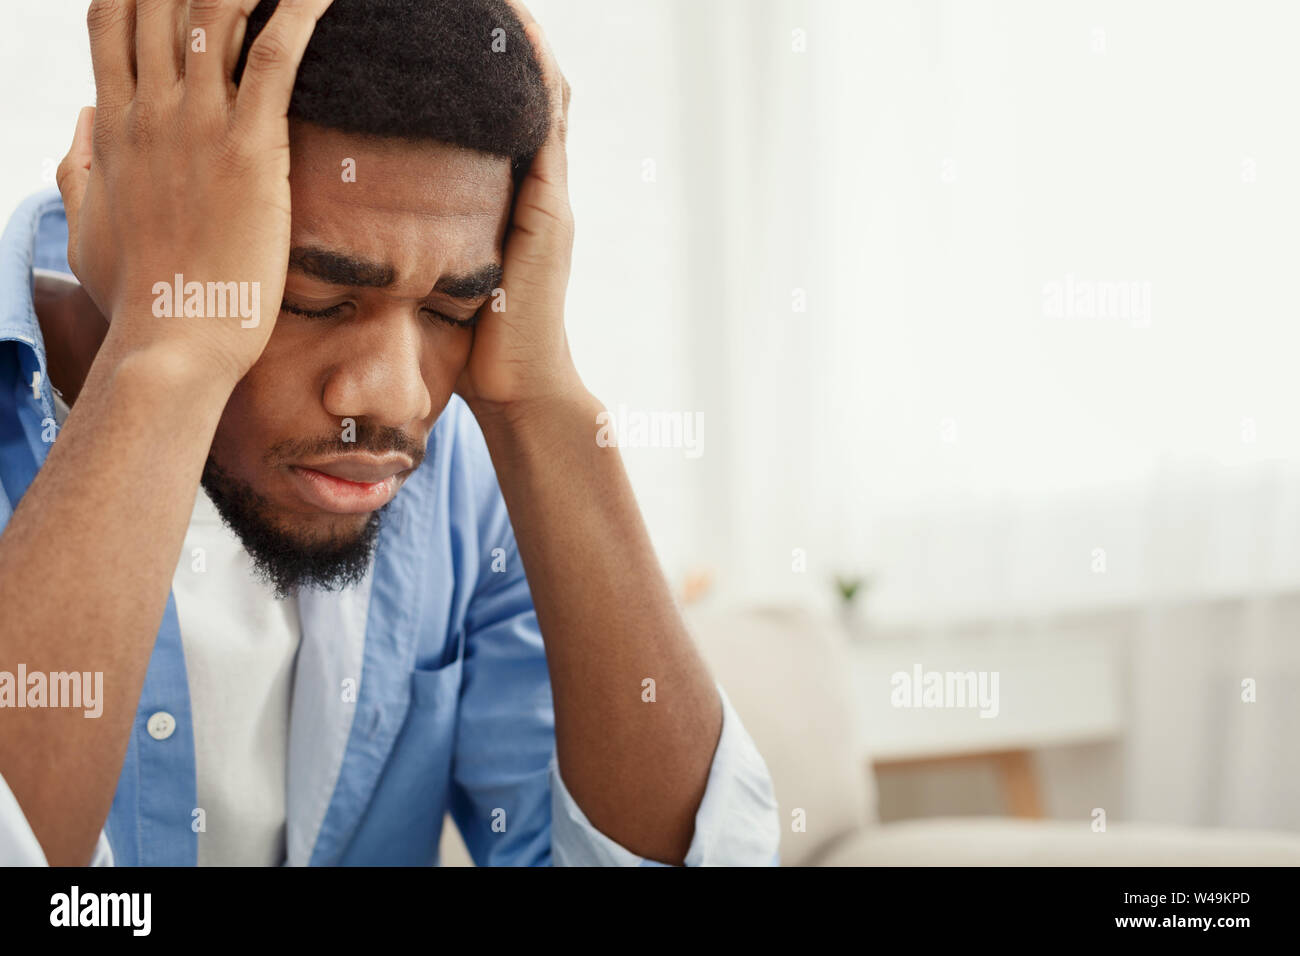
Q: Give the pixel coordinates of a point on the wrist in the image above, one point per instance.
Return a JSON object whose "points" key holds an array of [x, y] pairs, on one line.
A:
{"points": [[183, 362], [186, 378], [560, 396], [563, 414]]}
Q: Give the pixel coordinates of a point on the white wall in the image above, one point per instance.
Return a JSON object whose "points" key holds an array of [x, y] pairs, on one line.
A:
{"points": [[922, 171], [45, 79]]}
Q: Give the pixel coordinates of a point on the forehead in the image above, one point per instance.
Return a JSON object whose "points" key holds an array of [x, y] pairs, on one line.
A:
{"points": [[420, 207]]}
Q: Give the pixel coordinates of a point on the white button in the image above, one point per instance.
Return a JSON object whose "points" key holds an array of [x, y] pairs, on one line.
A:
{"points": [[161, 725]]}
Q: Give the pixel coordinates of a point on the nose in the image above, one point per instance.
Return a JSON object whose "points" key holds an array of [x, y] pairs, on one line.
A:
{"points": [[379, 373]]}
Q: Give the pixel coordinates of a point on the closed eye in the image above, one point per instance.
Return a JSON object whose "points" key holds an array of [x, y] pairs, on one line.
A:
{"points": [[329, 313], [459, 323], [335, 310]]}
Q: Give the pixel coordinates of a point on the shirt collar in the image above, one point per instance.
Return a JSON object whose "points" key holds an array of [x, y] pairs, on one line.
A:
{"points": [[36, 237]]}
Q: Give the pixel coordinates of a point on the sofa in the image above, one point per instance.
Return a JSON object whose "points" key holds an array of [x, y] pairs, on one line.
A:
{"points": [[787, 675]]}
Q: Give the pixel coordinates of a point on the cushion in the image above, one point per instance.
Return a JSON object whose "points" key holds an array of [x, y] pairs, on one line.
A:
{"points": [[787, 676], [1000, 841]]}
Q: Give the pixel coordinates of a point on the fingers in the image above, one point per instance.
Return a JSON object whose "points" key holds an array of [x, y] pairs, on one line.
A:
{"points": [[272, 65], [111, 25], [210, 56], [522, 12], [550, 164], [235, 42], [550, 68], [73, 174], [157, 60], [544, 53]]}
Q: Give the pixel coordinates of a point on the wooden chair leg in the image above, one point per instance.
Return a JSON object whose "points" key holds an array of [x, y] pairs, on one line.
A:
{"points": [[1020, 784]]}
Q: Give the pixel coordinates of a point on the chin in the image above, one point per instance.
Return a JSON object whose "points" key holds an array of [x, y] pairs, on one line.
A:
{"points": [[293, 548], [323, 527]]}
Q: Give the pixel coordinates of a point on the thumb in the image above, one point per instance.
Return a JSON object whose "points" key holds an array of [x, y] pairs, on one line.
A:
{"points": [[73, 174]]}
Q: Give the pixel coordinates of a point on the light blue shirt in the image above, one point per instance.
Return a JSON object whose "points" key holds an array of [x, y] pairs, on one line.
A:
{"points": [[452, 710]]}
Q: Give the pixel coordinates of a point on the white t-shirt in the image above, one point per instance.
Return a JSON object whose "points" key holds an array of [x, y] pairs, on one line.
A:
{"points": [[240, 645]]}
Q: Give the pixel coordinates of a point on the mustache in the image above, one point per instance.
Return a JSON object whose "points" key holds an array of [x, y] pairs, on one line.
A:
{"points": [[376, 439]]}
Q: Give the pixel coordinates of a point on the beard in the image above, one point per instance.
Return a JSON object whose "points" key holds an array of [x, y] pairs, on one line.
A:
{"points": [[280, 559]]}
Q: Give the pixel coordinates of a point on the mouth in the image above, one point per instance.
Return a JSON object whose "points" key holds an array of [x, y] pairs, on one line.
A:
{"points": [[351, 484]]}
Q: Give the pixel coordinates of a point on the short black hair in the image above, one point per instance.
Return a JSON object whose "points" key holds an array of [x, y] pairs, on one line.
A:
{"points": [[461, 72]]}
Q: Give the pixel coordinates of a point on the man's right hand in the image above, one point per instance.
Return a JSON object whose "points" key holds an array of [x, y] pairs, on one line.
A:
{"points": [[177, 171], [186, 174]]}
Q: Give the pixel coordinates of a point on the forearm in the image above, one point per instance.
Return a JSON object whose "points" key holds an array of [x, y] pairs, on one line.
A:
{"points": [[86, 563], [638, 769]]}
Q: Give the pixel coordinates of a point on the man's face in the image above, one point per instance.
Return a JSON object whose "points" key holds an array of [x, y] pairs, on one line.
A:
{"points": [[389, 263]]}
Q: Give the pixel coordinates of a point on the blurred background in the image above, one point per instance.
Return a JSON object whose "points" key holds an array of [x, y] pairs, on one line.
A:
{"points": [[982, 318]]}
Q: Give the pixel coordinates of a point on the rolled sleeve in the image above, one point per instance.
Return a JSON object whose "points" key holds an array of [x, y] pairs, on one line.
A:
{"points": [[736, 824], [18, 844]]}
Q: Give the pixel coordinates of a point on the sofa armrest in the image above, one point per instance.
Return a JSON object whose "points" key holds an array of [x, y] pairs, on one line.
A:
{"points": [[1001, 841]]}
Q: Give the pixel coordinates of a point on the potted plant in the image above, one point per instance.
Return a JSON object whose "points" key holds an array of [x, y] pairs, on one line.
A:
{"points": [[851, 589]]}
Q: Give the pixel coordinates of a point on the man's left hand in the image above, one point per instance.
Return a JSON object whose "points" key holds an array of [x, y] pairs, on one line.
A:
{"points": [[520, 357]]}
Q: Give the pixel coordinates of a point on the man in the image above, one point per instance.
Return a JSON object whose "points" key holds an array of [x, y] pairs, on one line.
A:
{"points": [[361, 359]]}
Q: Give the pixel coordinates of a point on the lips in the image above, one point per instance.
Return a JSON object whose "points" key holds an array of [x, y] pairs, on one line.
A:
{"points": [[353, 484], [360, 469]]}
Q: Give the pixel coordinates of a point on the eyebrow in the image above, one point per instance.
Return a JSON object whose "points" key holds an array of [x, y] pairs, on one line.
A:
{"points": [[471, 285], [338, 268]]}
